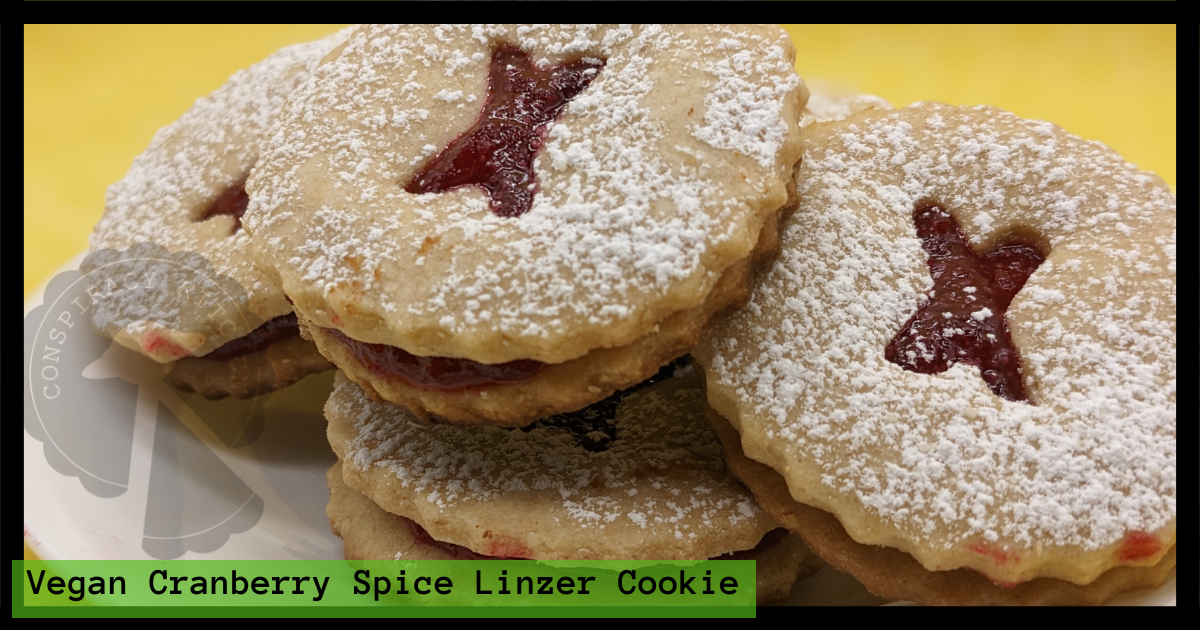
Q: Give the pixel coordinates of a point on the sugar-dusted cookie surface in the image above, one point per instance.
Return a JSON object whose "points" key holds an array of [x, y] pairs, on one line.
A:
{"points": [[1027, 439], [837, 105], [186, 194], [893, 574], [370, 533], [387, 205], [637, 476], [542, 390]]}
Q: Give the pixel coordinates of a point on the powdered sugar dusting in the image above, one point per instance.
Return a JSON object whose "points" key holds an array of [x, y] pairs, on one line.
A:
{"points": [[743, 108], [826, 108], [193, 160], [939, 458], [663, 472], [621, 231]]}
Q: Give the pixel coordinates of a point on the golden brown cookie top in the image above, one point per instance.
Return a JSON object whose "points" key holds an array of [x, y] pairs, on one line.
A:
{"points": [[651, 181], [643, 469], [185, 191], [1080, 477]]}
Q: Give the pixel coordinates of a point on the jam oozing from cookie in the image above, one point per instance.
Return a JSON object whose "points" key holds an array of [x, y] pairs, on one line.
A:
{"points": [[267, 333], [595, 427], [457, 552], [497, 152], [964, 320], [156, 344], [999, 555], [1139, 546], [436, 373], [231, 202]]}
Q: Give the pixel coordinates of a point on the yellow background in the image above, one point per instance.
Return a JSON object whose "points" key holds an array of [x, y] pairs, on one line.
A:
{"points": [[95, 95]]}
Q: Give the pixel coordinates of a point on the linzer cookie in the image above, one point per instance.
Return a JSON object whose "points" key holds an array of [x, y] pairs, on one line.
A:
{"points": [[640, 476], [637, 476], [495, 224], [966, 352], [371, 533], [893, 574], [185, 194]]}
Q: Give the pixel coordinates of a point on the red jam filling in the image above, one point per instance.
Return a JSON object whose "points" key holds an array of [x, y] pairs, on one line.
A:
{"points": [[267, 333], [457, 552], [1139, 546], [595, 427], [232, 202], [997, 554], [497, 152], [436, 373], [155, 343], [964, 320]]}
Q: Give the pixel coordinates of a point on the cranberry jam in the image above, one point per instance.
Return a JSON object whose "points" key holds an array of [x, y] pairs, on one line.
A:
{"points": [[457, 552], [436, 373], [232, 202], [497, 152], [267, 333], [963, 320]]}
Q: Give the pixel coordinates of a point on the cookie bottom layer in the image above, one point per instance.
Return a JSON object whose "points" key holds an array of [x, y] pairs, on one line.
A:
{"points": [[271, 368], [370, 533], [893, 574], [575, 384]]}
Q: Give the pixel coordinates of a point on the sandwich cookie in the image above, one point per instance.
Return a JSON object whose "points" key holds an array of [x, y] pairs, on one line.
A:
{"points": [[966, 352], [637, 476], [368, 532], [495, 224], [181, 204]]}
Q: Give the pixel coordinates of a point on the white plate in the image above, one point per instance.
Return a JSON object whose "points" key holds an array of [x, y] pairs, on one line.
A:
{"points": [[155, 473]]}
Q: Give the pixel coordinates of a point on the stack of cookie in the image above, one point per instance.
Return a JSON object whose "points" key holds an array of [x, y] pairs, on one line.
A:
{"points": [[504, 237], [936, 343]]}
